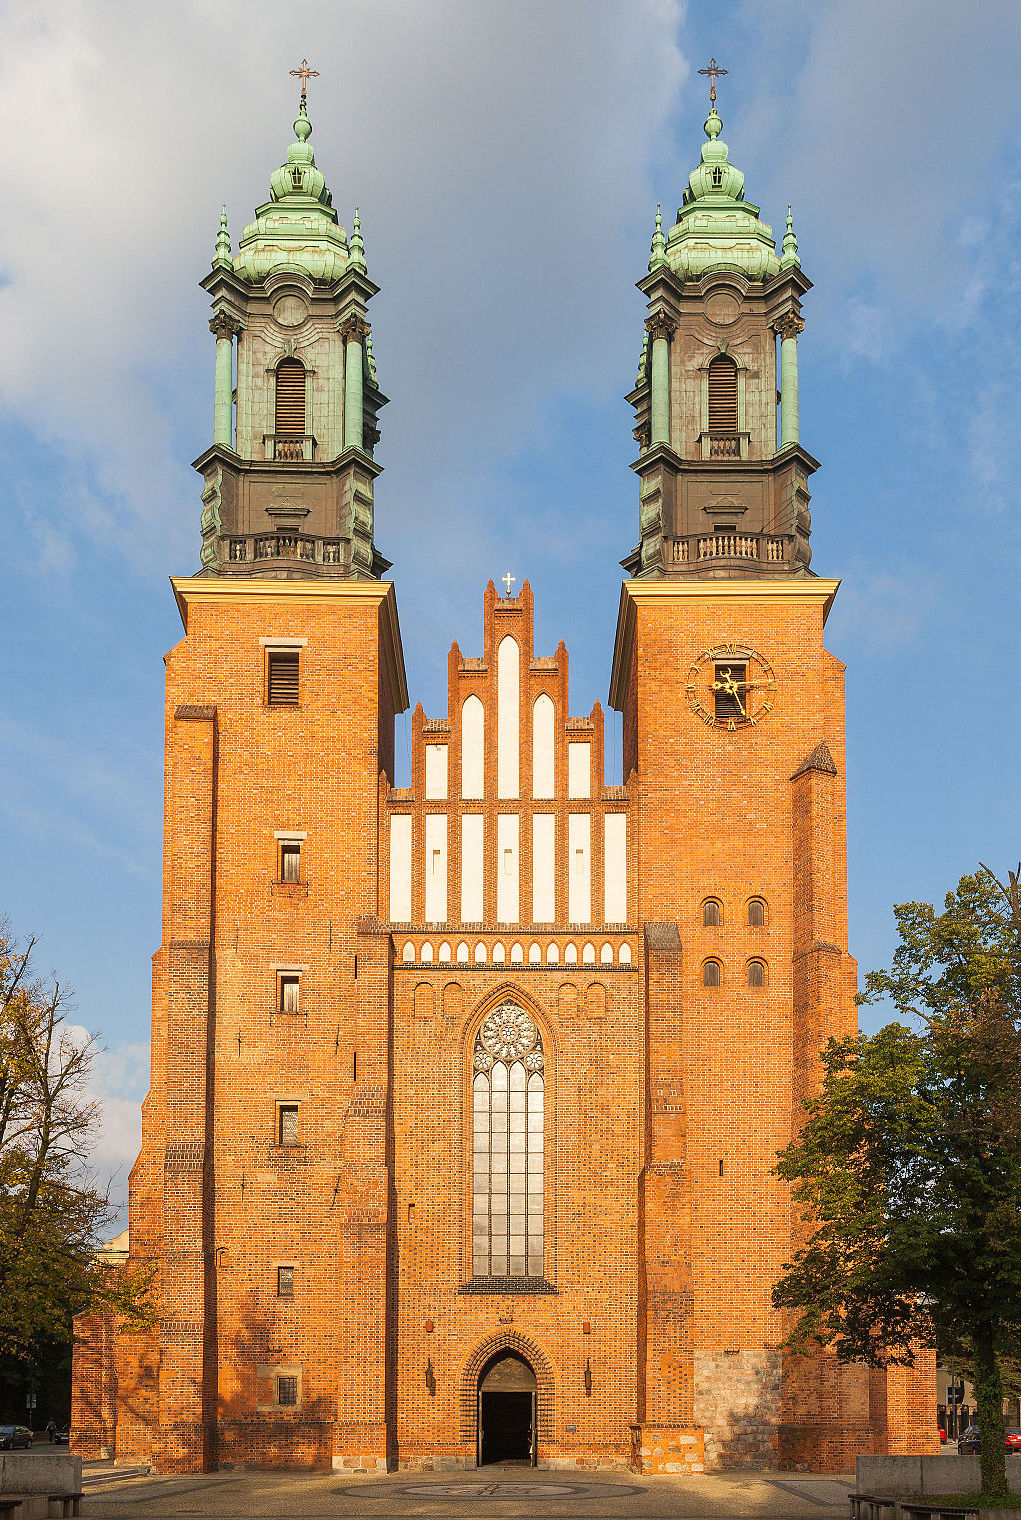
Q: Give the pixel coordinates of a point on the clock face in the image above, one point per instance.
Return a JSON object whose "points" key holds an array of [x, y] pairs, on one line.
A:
{"points": [[730, 687]]}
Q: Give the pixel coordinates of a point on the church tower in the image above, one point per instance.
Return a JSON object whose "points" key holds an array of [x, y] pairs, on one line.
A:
{"points": [[288, 478], [733, 725]]}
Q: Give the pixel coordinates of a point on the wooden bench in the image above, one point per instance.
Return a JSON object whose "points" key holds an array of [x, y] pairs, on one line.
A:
{"points": [[877, 1507]]}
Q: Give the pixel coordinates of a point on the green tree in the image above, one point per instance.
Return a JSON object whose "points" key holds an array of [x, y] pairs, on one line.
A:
{"points": [[52, 1214], [908, 1166]]}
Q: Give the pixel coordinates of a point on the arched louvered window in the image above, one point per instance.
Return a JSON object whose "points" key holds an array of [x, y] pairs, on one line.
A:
{"points": [[756, 974], [711, 974], [723, 395], [756, 913], [290, 401], [712, 913], [508, 1093]]}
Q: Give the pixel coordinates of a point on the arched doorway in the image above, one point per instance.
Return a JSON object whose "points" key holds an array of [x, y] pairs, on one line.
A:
{"points": [[507, 1410]]}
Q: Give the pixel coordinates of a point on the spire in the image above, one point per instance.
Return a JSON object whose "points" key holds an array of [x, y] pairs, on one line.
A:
{"points": [[370, 362], [357, 260], [789, 258], [221, 253], [658, 255]]}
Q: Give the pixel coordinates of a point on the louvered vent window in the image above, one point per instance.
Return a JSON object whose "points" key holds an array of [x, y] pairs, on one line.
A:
{"points": [[711, 974], [756, 974], [290, 418], [723, 395], [289, 982], [730, 689], [756, 913], [282, 677], [712, 917]]}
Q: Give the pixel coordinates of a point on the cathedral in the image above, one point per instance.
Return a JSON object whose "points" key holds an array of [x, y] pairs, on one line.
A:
{"points": [[466, 1094]]}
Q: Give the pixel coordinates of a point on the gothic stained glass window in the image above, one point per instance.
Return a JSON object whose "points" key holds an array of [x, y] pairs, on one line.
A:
{"points": [[507, 1163]]}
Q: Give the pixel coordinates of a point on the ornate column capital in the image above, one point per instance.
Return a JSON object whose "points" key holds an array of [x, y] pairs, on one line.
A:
{"points": [[354, 328], [789, 326], [223, 325], [659, 325]]}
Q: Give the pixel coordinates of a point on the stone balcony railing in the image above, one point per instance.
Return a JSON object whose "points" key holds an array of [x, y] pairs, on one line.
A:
{"points": [[289, 446], [724, 445], [765, 548], [251, 548]]}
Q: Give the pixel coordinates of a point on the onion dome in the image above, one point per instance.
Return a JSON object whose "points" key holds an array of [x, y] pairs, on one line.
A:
{"points": [[298, 227], [716, 227]]}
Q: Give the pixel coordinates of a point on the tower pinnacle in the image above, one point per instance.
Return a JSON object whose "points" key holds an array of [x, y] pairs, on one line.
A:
{"points": [[305, 74]]}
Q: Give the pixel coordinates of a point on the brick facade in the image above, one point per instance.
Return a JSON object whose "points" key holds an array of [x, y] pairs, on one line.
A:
{"points": [[665, 1101], [485, 1077]]}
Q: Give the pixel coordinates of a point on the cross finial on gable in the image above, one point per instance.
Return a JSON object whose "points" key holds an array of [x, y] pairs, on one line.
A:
{"points": [[508, 581]]}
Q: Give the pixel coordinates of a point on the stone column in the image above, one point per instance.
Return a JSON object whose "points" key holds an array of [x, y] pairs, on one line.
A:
{"points": [[789, 327], [354, 331], [661, 330], [224, 327]]}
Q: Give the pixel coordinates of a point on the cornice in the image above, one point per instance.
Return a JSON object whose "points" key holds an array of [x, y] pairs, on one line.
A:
{"points": [[199, 590], [675, 592]]}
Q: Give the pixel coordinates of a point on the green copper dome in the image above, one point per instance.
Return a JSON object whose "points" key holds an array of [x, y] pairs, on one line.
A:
{"points": [[716, 227], [298, 228]]}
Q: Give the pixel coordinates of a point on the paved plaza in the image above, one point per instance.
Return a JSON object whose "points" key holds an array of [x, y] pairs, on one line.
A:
{"points": [[489, 1492]]}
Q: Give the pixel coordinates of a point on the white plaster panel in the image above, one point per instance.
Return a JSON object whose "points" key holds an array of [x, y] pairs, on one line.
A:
{"points": [[579, 770], [508, 910], [400, 868], [435, 868], [471, 868], [543, 747], [436, 770], [615, 869], [473, 734], [508, 723], [579, 868], [544, 905]]}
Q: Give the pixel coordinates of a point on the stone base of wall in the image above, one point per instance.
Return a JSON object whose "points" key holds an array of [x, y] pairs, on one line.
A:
{"points": [[357, 1463], [737, 1404], [464, 1461], [667, 1449]]}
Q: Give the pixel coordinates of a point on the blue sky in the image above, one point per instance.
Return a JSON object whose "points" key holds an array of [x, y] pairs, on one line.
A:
{"points": [[507, 160]]}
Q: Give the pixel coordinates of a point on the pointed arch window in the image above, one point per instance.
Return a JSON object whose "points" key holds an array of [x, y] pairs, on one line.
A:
{"points": [[723, 395], [508, 1094], [290, 398]]}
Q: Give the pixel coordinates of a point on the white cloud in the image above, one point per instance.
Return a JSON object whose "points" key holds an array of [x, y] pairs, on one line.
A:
{"points": [[496, 152]]}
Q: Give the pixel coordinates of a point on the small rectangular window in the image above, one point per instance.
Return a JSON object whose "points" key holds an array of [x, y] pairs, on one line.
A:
{"points": [[287, 1391], [285, 1282], [289, 981], [290, 860], [282, 677], [287, 1124]]}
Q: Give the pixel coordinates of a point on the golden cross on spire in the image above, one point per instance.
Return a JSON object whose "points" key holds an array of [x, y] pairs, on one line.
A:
{"points": [[713, 73], [305, 74]]}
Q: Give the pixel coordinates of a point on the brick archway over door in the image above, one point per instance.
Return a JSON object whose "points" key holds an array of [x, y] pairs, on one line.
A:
{"points": [[540, 1363]]}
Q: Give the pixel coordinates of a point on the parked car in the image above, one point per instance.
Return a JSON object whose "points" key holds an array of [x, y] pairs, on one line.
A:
{"points": [[1013, 1438], [970, 1443], [14, 1435], [62, 1436]]}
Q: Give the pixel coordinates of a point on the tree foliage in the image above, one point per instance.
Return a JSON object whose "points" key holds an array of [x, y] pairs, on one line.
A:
{"points": [[908, 1167], [52, 1215]]}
